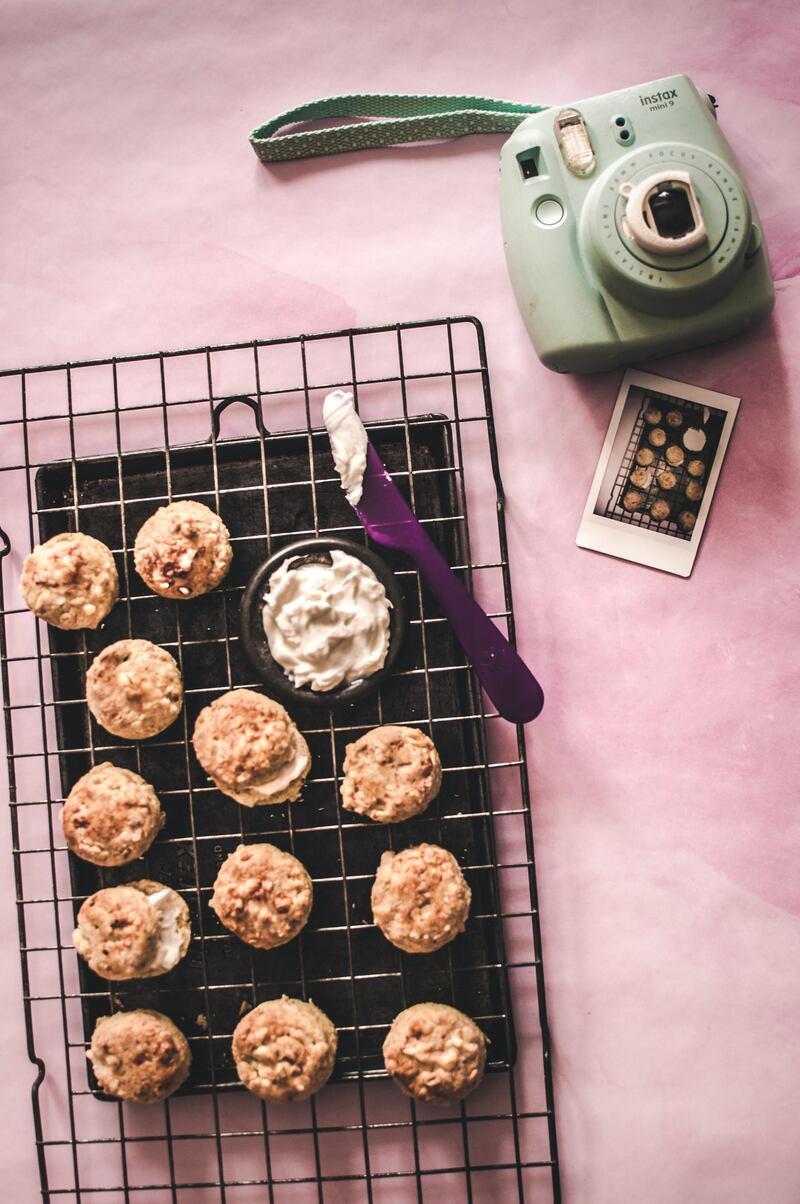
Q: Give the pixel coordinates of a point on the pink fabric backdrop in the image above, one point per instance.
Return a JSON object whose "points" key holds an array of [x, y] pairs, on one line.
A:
{"points": [[665, 764]]}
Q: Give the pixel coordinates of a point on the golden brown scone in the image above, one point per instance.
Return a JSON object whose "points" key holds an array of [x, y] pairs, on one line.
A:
{"points": [[694, 491], [420, 898], [139, 1055], [666, 479], [435, 1053], [391, 773], [674, 418], [111, 816], [243, 737], [652, 415], [645, 456], [660, 511], [117, 932], [182, 550], [134, 689], [657, 437], [139, 930], [251, 749], [696, 468], [263, 895], [687, 520], [674, 455], [632, 500], [70, 581], [284, 1049], [642, 478]]}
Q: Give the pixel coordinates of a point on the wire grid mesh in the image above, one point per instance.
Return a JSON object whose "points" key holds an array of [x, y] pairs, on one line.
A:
{"points": [[675, 497], [357, 1140]]}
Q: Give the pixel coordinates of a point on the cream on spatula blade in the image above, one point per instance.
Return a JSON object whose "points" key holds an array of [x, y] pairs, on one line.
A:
{"points": [[388, 520]]}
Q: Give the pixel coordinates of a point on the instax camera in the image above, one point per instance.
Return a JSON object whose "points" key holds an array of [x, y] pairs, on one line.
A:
{"points": [[628, 229]]}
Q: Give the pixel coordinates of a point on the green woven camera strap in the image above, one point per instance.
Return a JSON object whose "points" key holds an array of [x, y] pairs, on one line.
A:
{"points": [[384, 120]]}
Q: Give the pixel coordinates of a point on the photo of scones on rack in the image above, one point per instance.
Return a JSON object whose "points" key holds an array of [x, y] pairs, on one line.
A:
{"points": [[659, 466], [664, 450], [275, 780]]}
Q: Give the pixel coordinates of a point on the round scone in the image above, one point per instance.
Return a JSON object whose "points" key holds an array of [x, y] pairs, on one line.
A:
{"points": [[139, 930], [134, 689], [182, 550], [391, 774], [420, 898], [251, 749], [632, 500], [263, 895], [116, 933], [139, 1055], [642, 478], [435, 1053], [70, 581], [687, 520], [111, 816], [284, 1049]]}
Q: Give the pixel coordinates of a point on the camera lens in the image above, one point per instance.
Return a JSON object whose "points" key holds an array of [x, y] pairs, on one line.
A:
{"points": [[671, 211]]}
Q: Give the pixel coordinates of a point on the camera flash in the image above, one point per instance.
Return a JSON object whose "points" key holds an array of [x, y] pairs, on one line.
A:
{"points": [[574, 142]]}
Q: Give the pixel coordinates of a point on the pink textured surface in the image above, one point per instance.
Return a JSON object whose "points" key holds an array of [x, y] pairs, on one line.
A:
{"points": [[665, 763]]}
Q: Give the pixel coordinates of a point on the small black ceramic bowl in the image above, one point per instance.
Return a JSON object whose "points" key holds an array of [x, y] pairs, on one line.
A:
{"points": [[254, 637]]}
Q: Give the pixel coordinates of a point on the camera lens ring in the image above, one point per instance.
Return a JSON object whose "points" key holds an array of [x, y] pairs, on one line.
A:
{"points": [[659, 283], [720, 195], [663, 213]]}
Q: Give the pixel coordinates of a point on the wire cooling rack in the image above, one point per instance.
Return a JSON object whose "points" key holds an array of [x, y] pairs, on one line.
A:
{"points": [[261, 487], [425, 387]]}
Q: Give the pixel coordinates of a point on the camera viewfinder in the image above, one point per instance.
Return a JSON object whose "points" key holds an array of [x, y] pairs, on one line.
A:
{"points": [[529, 163]]}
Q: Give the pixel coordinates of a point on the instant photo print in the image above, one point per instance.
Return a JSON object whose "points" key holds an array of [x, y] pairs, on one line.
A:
{"points": [[657, 473]]}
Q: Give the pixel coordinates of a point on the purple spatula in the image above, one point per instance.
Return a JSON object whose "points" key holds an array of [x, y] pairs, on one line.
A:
{"points": [[503, 674]]}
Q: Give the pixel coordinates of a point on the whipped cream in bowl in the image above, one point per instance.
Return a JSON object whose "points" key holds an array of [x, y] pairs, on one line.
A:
{"points": [[322, 622]]}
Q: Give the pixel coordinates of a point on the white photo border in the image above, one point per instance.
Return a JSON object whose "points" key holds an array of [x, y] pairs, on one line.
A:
{"points": [[644, 545]]}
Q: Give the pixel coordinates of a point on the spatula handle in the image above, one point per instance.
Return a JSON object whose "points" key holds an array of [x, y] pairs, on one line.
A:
{"points": [[502, 672]]}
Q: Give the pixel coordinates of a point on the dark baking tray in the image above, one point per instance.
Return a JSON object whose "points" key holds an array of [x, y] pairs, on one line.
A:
{"points": [[268, 492]]}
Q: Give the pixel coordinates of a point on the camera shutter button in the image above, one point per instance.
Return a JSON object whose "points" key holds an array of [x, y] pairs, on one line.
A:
{"points": [[549, 211]]}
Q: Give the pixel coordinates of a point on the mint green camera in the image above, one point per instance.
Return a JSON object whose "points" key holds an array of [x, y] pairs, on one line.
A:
{"points": [[629, 232]]}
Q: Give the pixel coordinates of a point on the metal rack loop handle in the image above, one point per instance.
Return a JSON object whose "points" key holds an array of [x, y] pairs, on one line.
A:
{"points": [[251, 402]]}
